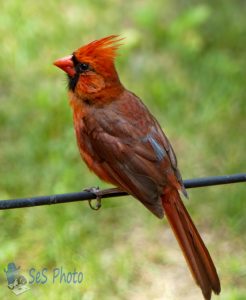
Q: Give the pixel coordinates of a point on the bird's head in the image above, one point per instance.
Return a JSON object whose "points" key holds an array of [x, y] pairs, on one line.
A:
{"points": [[90, 69]]}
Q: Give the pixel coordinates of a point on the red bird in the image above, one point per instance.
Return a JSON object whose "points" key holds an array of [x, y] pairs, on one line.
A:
{"points": [[123, 144]]}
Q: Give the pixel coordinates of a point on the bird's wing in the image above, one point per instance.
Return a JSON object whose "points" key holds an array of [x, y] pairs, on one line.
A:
{"points": [[133, 150]]}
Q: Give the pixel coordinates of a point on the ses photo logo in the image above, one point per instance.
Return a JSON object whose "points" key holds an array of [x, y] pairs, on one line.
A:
{"points": [[18, 283]]}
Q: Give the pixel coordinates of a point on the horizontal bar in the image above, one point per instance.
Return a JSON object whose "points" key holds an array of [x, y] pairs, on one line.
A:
{"points": [[114, 192]]}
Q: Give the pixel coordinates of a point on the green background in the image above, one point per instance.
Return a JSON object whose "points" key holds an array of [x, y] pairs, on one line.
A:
{"points": [[187, 61]]}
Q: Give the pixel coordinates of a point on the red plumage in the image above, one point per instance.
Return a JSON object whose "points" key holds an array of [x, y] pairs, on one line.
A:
{"points": [[123, 144]]}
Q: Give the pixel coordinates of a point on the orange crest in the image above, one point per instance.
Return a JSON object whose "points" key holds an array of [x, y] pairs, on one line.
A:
{"points": [[105, 48]]}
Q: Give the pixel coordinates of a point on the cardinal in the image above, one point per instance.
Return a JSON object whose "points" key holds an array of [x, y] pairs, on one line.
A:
{"points": [[123, 144]]}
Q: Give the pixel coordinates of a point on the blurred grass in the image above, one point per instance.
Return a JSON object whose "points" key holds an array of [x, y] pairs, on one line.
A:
{"points": [[187, 61]]}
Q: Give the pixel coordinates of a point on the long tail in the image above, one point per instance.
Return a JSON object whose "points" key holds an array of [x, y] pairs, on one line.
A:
{"points": [[194, 250]]}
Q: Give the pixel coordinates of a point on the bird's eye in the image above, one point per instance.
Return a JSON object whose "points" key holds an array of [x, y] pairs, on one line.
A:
{"points": [[82, 67]]}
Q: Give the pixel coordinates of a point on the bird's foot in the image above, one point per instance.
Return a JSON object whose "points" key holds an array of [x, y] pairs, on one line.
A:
{"points": [[96, 191], [100, 194]]}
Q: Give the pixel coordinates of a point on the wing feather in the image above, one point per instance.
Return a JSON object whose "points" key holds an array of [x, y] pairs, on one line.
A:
{"points": [[133, 151]]}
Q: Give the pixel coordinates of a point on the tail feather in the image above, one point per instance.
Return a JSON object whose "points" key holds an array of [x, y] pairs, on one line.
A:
{"points": [[194, 250]]}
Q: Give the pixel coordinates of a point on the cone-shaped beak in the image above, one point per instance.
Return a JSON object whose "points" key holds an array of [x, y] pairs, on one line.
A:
{"points": [[66, 64]]}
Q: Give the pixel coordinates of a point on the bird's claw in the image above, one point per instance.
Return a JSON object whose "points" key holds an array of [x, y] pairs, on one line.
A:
{"points": [[96, 192], [98, 204]]}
